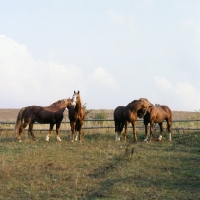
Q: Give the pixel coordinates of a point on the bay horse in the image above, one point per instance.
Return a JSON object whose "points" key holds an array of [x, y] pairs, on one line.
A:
{"points": [[157, 114], [76, 114], [123, 115], [52, 115]]}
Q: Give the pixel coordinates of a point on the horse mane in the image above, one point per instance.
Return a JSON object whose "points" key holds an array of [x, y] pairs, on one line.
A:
{"points": [[134, 101], [61, 102], [56, 103]]}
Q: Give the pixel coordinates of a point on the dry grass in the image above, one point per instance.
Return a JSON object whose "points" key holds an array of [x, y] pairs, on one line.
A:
{"points": [[99, 168], [11, 114]]}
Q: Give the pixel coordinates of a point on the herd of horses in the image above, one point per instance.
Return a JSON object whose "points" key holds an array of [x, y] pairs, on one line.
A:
{"points": [[123, 115]]}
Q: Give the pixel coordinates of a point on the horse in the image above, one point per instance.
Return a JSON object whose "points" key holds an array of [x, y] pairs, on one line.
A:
{"points": [[76, 114], [52, 115], [119, 120], [157, 114], [123, 115], [118, 116]]}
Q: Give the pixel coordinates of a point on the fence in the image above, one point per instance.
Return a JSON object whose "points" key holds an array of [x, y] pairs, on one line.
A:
{"points": [[109, 124]]}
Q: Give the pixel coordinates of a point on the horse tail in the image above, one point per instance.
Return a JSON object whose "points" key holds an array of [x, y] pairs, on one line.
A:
{"points": [[19, 120]]}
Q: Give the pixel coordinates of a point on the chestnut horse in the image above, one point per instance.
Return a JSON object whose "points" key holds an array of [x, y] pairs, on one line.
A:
{"points": [[76, 116], [52, 115], [123, 115], [157, 114]]}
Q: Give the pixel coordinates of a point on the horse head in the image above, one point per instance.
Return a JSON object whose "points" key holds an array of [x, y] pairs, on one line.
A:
{"points": [[140, 113], [146, 106], [66, 102], [76, 98]]}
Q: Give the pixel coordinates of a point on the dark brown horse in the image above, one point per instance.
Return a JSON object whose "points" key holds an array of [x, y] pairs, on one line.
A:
{"points": [[120, 121], [52, 115], [157, 114], [123, 115], [76, 116], [118, 116]]}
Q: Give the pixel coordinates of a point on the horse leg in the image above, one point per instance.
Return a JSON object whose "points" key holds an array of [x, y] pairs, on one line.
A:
{"points": [[73, 130], [134, 130], [80, 131], [151, 129], [146, 133], [161, 131], [25, 124], [169, 128], [30, 131], [116, 130], [50, 130], [77, 135], [125, 132], [58, 132], [121, 126]]}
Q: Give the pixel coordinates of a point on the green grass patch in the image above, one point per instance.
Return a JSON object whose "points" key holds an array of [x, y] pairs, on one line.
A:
{"points": [[99, 168]]}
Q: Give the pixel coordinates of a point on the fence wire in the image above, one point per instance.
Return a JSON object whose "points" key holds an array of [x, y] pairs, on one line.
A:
{"points": [[190, 124]]}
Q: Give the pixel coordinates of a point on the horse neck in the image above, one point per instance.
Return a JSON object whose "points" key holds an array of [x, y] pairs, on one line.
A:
{"points": [[64, 105], [135, 106], [78, 107], [67, 104]]}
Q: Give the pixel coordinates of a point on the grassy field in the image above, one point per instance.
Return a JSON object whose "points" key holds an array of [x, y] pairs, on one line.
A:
{"points": [[100, 168]]}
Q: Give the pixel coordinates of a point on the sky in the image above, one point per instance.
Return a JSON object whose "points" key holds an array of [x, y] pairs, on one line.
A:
{"points": [[112, 51]]}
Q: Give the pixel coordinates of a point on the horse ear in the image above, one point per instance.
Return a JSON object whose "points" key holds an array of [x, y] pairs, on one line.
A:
{"points": [[78, 91], [74, 92]]}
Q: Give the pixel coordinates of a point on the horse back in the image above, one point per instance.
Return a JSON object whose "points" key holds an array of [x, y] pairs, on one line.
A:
{"points": [[165, 110], [119, 113], [31, 111], [161, 113]]}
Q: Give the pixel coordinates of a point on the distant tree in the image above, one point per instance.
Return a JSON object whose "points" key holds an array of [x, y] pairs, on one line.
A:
{"points": [[100, 115], [86, 110]]}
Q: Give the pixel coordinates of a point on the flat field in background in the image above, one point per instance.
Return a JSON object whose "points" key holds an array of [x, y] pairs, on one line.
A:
{"points": [[99, 168]]}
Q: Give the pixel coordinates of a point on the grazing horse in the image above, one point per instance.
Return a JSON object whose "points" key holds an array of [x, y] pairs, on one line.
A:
{"points": [[76, 116], [123, 115], [52, 114], [157, 114]]}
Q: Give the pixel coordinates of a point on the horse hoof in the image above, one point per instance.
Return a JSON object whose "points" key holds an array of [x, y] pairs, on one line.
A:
{"points": [[20, 140], [59, 140], [145, 140], [160, 138]]}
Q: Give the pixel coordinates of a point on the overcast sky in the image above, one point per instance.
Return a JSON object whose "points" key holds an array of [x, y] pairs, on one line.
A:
{"points": [[112, 51]]}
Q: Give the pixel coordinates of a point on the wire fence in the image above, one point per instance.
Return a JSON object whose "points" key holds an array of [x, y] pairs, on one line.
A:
{"points": [[178, 125]]}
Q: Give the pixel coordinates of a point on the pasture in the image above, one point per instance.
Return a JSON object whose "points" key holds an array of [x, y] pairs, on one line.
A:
{"points": [[99, 167]]}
